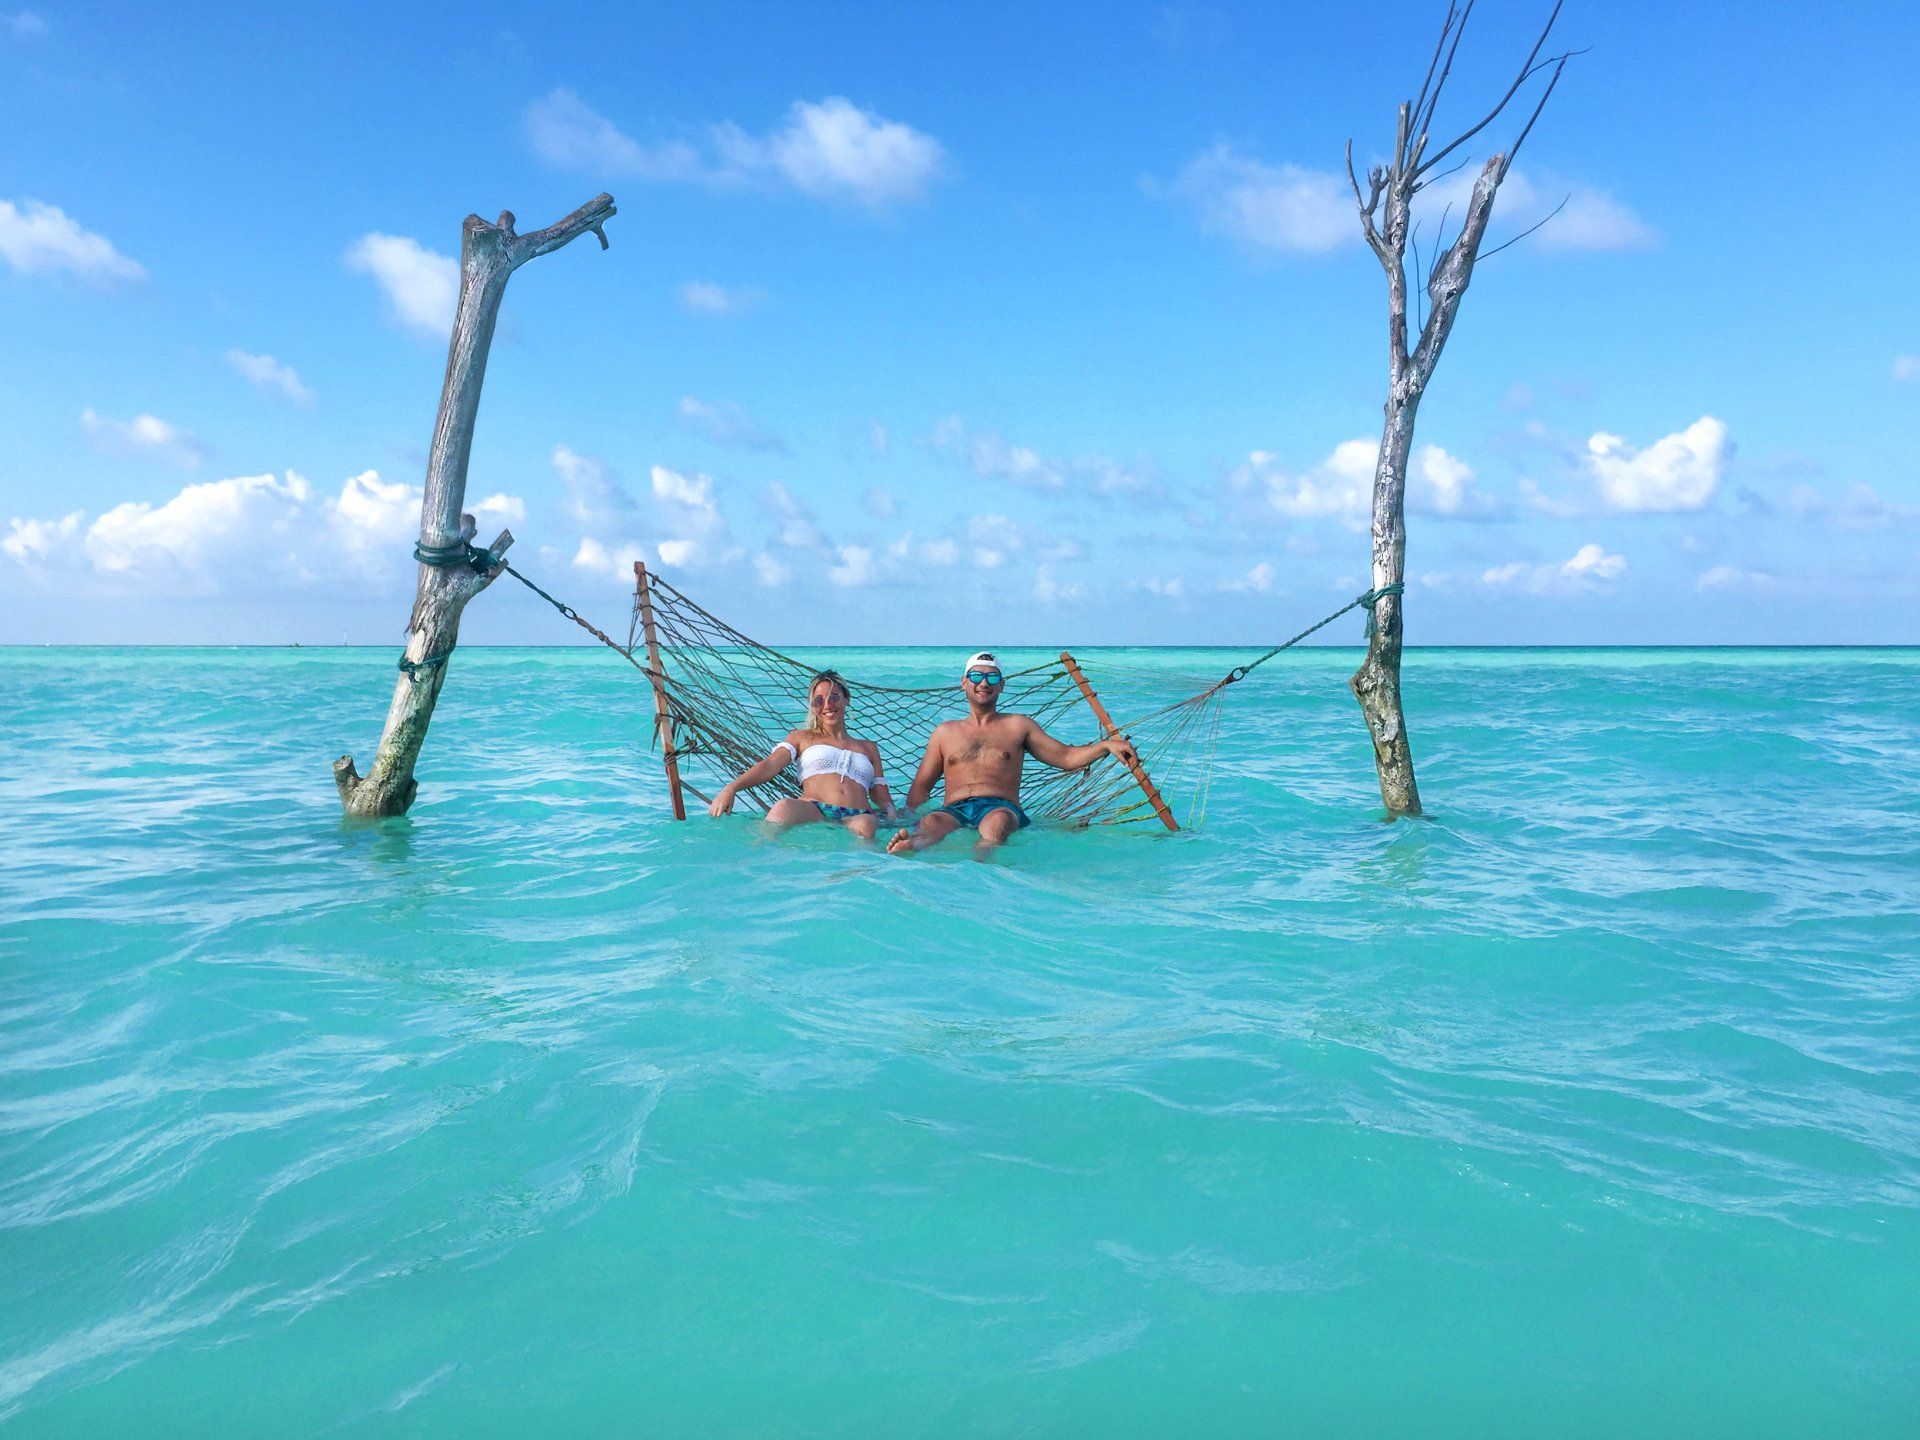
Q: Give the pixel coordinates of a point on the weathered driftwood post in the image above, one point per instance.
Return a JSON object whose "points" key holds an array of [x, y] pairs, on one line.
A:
{"points": [[452, 572], [1386, 220]]}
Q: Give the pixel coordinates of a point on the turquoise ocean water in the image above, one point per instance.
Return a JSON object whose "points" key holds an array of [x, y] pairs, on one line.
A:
{"points": [[1587, 1107]]}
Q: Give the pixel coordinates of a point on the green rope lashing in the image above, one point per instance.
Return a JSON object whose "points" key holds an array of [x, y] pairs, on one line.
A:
{"points": [[456, 554], [415, 669], [1374, 597]]}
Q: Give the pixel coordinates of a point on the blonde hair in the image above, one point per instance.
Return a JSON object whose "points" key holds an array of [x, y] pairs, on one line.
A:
{"points": [[816, 721]]}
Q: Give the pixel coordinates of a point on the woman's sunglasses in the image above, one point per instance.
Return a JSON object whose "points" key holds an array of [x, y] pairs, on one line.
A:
{"points": [[821, 702], [986, 677]]}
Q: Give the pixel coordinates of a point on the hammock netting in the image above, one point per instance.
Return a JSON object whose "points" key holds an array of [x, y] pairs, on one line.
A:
{"points": [[727, 700]]}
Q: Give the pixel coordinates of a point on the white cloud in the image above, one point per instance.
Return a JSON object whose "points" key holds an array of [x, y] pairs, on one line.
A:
{"points": [[37, 239], [1173, 589], [24, 25], [1590, 219], [266, 373], [769, 571], [614, 559], [855, 568], [228, 536], [1341, 486], [678, 552], [422, 286], [834, 149], [144, 435], [1048, 590], [797, 528], [725, 423], [1585, 569], [595, 496], [1258, 580], [500, 509], [1906, 368], [1282, 208], [689, 498], [1859, 507], [993, 457], [1728, 577], [1537, 500], [568, 135], [199, 526], [879, 502], [705, 298], [1677, 472], [30, 540], [830, 149], [877, 438]]}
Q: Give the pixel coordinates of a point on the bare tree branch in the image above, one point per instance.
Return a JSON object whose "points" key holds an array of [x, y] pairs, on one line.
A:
{"points": [[1424, 123], [1526, 71], [1446, 29], [1489, 254], [1527, 129]]}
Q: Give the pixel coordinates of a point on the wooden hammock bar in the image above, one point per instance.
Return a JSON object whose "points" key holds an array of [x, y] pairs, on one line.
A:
{"points": [[663, 713], [1107, 731]]}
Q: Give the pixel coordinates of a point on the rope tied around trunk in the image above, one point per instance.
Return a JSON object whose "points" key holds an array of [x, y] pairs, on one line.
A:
{"points": [[1359, 602]]}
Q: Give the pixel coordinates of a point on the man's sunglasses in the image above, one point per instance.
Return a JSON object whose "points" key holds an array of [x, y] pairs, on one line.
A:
{"points": [[986, 677]]}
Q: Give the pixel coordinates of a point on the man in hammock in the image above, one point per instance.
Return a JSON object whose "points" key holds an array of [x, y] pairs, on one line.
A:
{"points": [[980, 759]]}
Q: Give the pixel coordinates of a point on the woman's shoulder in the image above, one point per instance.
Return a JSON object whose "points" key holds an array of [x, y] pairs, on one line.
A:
{"points": [[869, 747]]}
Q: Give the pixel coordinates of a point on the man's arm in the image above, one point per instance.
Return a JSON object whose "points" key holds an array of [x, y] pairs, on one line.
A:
{"points": [[927, 774], [1049, 751]]}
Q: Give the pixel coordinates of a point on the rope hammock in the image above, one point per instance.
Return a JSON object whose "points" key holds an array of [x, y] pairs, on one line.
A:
{"points": [[723, 700]]}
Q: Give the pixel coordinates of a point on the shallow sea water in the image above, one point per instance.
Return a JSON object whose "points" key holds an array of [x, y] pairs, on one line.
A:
{"points": [[1587, 1107]]}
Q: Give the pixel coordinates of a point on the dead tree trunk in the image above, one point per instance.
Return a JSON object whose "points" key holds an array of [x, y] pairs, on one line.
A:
{"points": [[1386, 219], [452, 571]]}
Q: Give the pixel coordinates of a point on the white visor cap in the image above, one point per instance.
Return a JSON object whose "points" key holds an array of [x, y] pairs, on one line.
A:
{"points": [[980, 660]]}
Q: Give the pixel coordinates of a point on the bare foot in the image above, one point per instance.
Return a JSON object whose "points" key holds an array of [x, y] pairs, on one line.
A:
{"points": [[901, 843]]}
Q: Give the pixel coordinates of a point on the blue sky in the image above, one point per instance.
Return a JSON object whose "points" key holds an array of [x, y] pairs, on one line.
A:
{"points": [[953, 324]]}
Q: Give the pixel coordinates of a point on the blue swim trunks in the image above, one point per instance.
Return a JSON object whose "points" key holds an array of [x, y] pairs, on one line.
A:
{"points": [[975, 808]]}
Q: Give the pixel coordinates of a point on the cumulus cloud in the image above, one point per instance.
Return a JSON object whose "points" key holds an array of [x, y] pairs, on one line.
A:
{"points": [[144, 435], [594, 495], [725, 423], [421, 286], [266, 373], [1589, 219], [797, 530], [38, 239], [834, 149], [1906, 368], [29, 541], [568, 135], [703, 297], [769, 571], [1279, 208], [1586, 569], [1677, 472], [1048, 589], [855, 569], [993, 457], [1731, 578], [1291, 209], [1341, 486], [829, 149], [1258, 580], [246, 531]]}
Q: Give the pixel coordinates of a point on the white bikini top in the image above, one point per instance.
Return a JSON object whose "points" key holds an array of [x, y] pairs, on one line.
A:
{"points": [[824, 759]]}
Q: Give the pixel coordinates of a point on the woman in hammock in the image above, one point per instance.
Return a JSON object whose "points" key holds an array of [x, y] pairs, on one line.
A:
{"points": [[839, 775]]}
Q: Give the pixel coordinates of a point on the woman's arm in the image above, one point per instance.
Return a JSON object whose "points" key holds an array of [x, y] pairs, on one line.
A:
{"points": [[880, 793], [778, 758]]}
